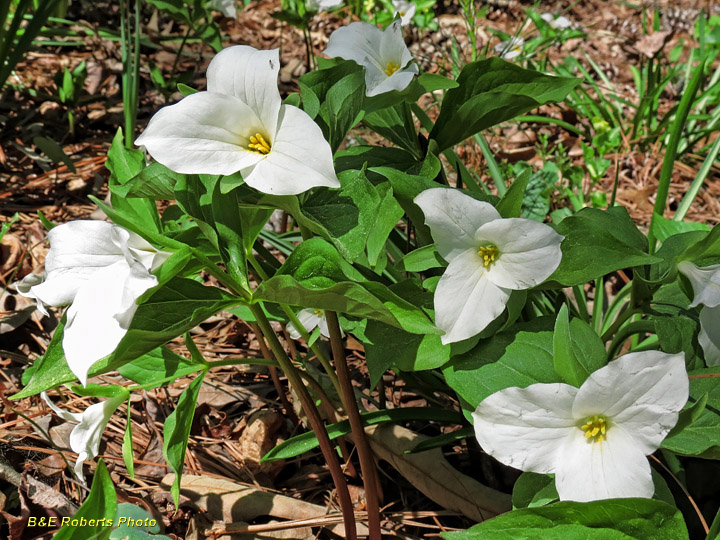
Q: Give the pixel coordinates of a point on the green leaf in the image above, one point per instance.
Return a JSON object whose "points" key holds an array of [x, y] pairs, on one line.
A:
{"points": [[422, 259], [99, 506], [706, 250], [155, 182], [389, 212], [511, 203], [519, 356], [442, 440], [315, 276], [159, 366], [431, 82], [598, 242], [186, 90], [388, 346], [130, 523], [493, 91], [532, 490], [614, 519], [577, 349], [701, 437], [305, 442], [357, 157], [396, 124], [665, 228], [177, 430], [54, 151], [127, 444]]}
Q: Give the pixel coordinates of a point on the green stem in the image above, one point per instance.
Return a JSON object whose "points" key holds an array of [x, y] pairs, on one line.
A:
{"points": [[179, 51], [634, 328], [493, 168], [598, 304], [621, 319], [367, 463], [671, 151], [316, 423]]}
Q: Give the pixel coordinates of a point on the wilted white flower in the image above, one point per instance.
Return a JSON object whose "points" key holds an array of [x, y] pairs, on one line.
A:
{"points": [[322, 5], [405, 9], [387, 60], [558, 22], [101, 270], [310, 319], [85, 437], [226, 7], [511, 48], [488, 257], [593, 438], [241, 125]]}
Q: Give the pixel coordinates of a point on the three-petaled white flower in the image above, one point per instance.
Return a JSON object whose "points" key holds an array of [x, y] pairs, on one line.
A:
{"points": [[101, 270], [593, 438], [241, 125], [488, 257], [322, 5], [705, 282], [405, 9], [85, 437], [384, 55], [511, 48], [310, 319], [558, 22]]}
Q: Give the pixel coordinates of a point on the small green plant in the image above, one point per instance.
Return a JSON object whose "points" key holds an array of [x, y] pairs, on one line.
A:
{"points": [[69, 87]]}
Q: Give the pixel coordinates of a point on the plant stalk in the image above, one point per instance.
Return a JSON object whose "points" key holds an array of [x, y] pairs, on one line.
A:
{"points": [[367, 463]]}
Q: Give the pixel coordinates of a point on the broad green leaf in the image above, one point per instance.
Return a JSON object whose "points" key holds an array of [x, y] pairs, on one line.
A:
{"points": [[158, 366], [493, 91], [177, 430], [519, 356], [155, 182], [396, 124], [532, 490], [342, 106], [305, 442], [614, 519], [676, 329], [706, 251], [130, 523], [431, 82], [511, 203], [357, 157], [577, 349], [422, 259], [98, 509], [54, 151], [315, 276], [598, 242], [665, 228], [701, 437], [389, 212], [315, 85]]}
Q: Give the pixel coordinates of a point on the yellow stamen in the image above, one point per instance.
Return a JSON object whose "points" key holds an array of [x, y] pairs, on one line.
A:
{"points": [[488, 254], [258, 144], [319, 312], [595, 428], [391, 68]]}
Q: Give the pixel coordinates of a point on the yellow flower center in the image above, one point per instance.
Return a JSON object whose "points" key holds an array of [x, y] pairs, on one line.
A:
{"points": [[595, 428], [259, 145], [391, 68], [319, 312], [402, 13], [488, 254]]}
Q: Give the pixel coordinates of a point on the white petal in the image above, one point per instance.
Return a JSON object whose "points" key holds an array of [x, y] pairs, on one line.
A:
{"points": [[101, 314], [204, 133], [65, 415], [143, 252], [614, 468], [78, 468], [453, 218], [525, 427], [378, 83], [529, 251], [81, 243], [25, 287], [561, 23], [226, 7], [251, 76], [705, 282], [87, 434], [641, 392], [547, 17], [465, 301], [358, 41], [308, 319], [300, 158], [709, 336], [511, 48]]}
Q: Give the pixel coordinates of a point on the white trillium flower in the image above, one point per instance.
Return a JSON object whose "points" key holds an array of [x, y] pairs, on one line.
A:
{"points": [[558, 22], [593, 438], [405, 9], [387, 60], [226, 7], [241, 125], [511, 48], [101, 270], [705, 283], [488, 258], [310, 319], [85, 437], [322, 5]]}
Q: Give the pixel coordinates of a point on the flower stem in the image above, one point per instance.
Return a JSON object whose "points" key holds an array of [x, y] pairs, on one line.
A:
{"points": [[367, 463], [632, 329], [313, 416], [621, 319]]}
